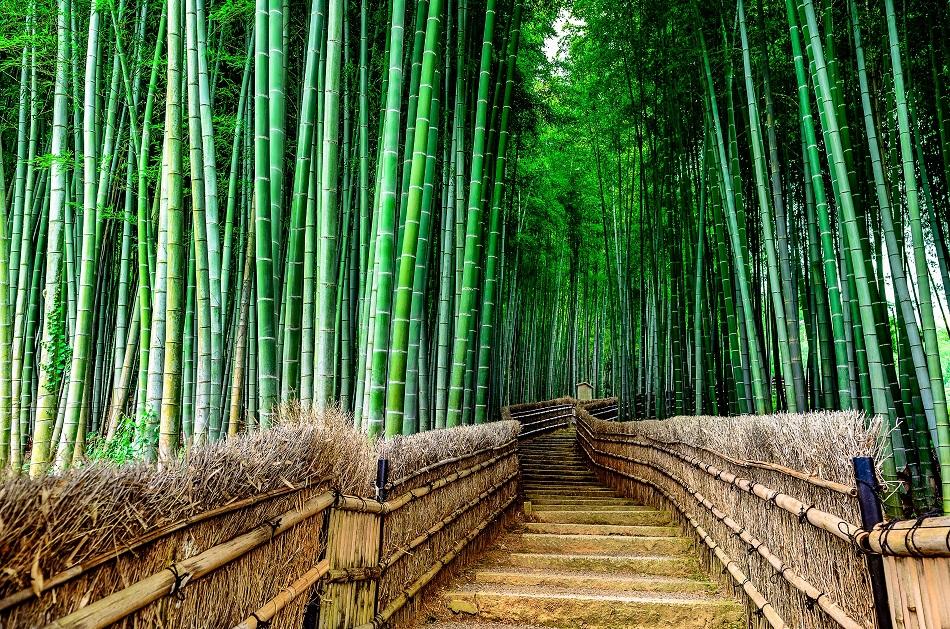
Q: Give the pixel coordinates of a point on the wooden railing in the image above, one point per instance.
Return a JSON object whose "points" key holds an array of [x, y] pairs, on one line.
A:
{"points": [[542, 417]]}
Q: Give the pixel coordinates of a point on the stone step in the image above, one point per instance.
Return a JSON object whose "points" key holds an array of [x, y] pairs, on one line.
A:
{"points": [[542, 447], [474, 624], [588, 580], [603, 544], [551, 471], [566, 484], [643, 565], [567, 474], [564, 490], [556, 469], [585, 493], [587, 508], [552, 500], [627, 518], [600, 529], [560, 478], [570, 610]]}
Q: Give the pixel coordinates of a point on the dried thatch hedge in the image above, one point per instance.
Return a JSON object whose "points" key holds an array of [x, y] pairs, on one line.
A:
{"points": [[780, 548], [68, 540]]}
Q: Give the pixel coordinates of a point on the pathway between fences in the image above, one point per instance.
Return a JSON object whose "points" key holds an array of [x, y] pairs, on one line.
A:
{"points": [[557, 516]]}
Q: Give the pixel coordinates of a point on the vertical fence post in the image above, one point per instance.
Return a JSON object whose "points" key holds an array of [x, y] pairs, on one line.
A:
{"points": [[871, 515], [382, 478], [349, 598]]}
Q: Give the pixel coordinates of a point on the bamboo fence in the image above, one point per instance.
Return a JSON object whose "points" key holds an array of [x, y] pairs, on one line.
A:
{"points": [[784, 536], [276, 530]]}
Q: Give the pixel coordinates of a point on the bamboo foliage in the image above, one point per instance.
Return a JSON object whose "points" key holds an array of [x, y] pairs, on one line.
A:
{"points": [[272, 247], [736, 209]]}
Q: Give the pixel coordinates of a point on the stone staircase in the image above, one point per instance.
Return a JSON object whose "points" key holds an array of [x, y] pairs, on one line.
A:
{"points": [[587, 558]]}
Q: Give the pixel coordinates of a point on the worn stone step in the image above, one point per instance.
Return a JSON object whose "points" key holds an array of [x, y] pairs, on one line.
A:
{"points": [[588, 508], [541, 492], [580, 469], [552, 500], [598, 489], [570, 610], [574, 490], [566, 484], [528, 471], [559, 478], [599, 529], [649, 565], [628, 518], [578, 580], [475, 624], [603, 544], [561, 469]]}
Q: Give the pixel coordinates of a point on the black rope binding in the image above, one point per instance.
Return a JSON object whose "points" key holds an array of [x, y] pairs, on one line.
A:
{"points": [[803, 514], [181, 580]]}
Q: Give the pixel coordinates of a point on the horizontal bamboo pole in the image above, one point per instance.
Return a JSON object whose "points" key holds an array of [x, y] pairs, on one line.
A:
{"points": [[413, 589], [929, 537], [421, 539], [117, 606], [828, 522], [546, 420], [266, 613], [368, 505], [79, 569], [440, 464]]}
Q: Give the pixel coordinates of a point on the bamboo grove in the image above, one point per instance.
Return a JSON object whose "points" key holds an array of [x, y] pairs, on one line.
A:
{"points": [[215, 207], [756, 201]]}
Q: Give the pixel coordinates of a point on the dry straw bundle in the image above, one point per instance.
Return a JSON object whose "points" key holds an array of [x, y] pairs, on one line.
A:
{"points": [[69, 540], [804, 457]]}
